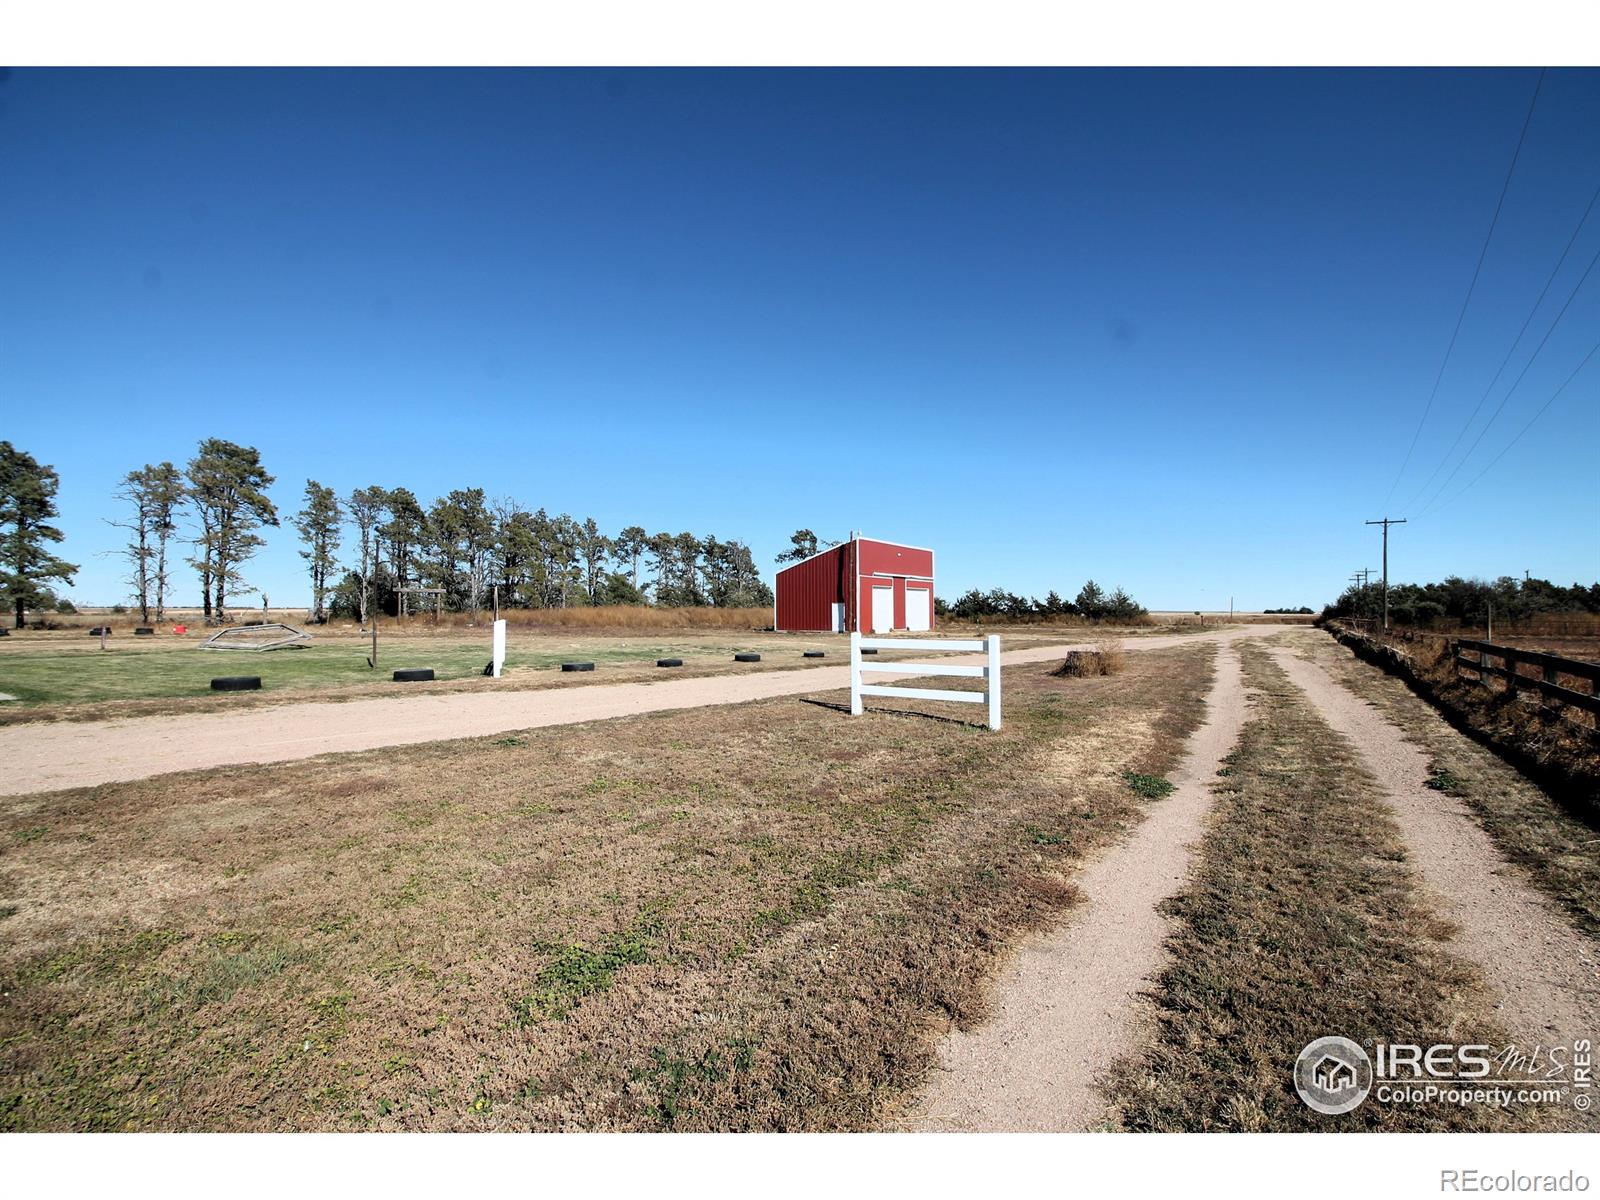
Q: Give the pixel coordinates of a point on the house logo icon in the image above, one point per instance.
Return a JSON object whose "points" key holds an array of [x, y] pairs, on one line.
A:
{"points": [[1333, 1075]]}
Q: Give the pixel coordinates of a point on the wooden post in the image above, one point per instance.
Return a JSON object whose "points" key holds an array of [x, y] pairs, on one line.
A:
{"points": [[373, 661], [102, 633], [1510, 659]]}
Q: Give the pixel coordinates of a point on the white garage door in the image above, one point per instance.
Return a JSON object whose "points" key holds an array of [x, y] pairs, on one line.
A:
{"points": [[882, 609], [918, 614]]}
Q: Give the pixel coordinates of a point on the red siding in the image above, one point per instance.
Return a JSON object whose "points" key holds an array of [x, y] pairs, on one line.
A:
{"points": [[807, 591], [885, 558]]}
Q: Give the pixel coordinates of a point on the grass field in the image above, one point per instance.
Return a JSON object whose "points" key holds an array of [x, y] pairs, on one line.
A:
{"points": [[59, 671], [65, 674], [751, 917]]}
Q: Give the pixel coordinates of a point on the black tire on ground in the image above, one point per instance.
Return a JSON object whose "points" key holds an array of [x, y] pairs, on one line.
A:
{"points": [[869, 650], [747, 658], [669, 662], [413, 675], [577, 666], [813, 654], [144, 631], [98, 630], [236, 683]]}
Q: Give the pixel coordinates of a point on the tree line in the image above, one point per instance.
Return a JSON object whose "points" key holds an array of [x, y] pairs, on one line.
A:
{"points": [[1092, 601], [401, 555], [1466, 600], [465, 545]]}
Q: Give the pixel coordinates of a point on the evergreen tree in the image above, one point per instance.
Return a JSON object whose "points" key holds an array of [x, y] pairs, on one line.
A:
{"points": [[318, 525], [27, 506], [227, 486]]}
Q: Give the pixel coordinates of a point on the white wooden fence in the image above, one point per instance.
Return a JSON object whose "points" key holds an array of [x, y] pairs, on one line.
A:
{"points": [[990, 672]]}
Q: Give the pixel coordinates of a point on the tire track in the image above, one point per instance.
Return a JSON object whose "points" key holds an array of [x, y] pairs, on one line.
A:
{"points": [[1068, 1003], [1545, 972]]}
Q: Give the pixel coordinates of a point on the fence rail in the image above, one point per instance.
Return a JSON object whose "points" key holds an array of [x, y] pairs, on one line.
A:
{"points": [[1479, 657], [989, 672]]}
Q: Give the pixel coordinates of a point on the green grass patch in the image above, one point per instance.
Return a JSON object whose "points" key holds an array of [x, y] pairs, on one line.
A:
{"points": [[577, 971], [1151, 787], [1442, 779]]}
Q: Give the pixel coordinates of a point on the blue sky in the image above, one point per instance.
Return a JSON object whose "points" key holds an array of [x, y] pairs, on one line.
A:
{"points": [[1169, 329]]}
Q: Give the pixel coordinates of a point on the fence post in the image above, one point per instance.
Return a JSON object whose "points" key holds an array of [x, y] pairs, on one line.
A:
{"points": [[855, 673], [991, 679], [1510, 660]]}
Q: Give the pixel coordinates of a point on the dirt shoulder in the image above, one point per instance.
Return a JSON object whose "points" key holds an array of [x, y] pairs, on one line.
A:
{"points": [[44, 757]]}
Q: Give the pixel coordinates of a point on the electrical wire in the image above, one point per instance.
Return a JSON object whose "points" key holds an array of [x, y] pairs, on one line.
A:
{"points": [[1593, 350], [1476, 271], [1499, 408], [1515, 342]]}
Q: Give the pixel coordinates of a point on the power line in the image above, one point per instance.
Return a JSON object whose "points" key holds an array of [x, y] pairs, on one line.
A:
{"points": [[1461, 316], [1593, 350], [1499, 408], [1515, 342]]}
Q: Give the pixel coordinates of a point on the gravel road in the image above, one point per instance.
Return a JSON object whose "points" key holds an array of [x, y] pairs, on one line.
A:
{"points": [[47, 756]]}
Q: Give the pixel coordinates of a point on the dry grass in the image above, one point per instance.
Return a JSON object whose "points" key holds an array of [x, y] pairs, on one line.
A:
{"points": [[1559, 747], [642, 617], [1556, 844], [751, 917], [1107, 658], [1302, 920]]}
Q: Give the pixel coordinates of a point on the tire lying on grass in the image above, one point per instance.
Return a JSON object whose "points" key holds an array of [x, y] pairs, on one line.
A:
{"points": [[236, 683], [669, 662], [577, 666], [98, 630], [413, 675], [144, 631], [813, 654], [747, 658], [869, 650]]}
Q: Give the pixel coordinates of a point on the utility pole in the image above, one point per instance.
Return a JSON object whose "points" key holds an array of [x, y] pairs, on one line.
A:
{"points": [[1386, 522]]}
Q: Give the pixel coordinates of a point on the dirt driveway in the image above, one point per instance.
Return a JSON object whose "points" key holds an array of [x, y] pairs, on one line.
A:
{"points": [[46, 757]]}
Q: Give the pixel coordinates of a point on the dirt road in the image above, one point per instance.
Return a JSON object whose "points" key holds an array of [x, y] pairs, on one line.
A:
{"points": [[1544, 971], [45, 757], [1066, 1005]]}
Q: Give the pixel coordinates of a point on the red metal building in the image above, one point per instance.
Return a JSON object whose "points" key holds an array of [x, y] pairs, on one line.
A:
{"points": [[863, 585]]}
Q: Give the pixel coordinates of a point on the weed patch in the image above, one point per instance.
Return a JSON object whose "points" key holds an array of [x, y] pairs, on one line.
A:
{"points": [[1151, 787]]}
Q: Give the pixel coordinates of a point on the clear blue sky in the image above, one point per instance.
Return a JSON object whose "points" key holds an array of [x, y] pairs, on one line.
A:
{"points": [[1172, 330]]}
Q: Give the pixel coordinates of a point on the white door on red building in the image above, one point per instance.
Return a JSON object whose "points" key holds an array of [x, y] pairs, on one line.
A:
{"points": [[919, 613], [882, 609]]}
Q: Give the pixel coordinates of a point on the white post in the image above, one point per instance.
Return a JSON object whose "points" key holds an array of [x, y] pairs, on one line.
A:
{"points": [[992, 679], [499, 659], [855, 673]]}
